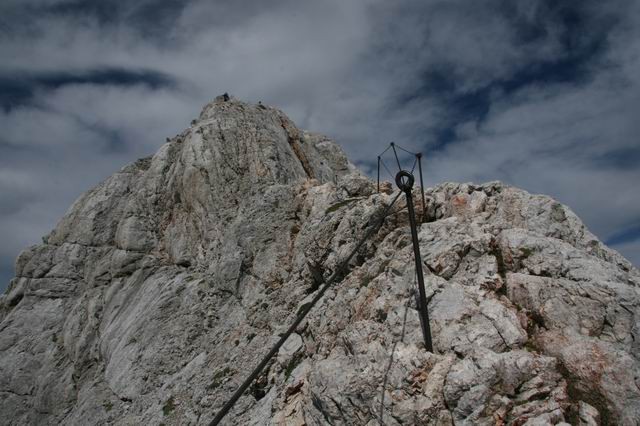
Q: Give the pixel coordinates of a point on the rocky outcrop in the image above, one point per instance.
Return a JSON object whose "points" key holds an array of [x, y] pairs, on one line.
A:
{"points": [[162, 287]]}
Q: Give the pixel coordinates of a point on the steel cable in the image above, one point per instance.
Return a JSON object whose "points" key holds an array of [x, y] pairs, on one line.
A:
{"points": [[301, 315], [406, 150], [393, 350]]}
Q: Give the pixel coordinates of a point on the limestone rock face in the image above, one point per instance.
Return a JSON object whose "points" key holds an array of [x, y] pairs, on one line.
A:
{"points": [[161, 289]]}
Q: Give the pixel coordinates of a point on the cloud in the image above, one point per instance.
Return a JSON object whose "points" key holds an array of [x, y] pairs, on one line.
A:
{"points": [[630, 250], [20, 88], [625, 236], [541, 94]]}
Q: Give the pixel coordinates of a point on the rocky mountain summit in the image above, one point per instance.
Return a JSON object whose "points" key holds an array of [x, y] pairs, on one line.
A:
{"points": [[162, 287]]}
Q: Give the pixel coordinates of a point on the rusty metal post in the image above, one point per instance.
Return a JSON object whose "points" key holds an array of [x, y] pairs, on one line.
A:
{"points": [[405, 181]]}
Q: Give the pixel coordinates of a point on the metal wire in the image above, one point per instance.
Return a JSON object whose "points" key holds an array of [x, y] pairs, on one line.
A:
{"points": [[382, 153], [424, 206], [414, 165], [387, 169], [393, 350], [417, 161], [303, 313], [406, 150], [393, 145]]}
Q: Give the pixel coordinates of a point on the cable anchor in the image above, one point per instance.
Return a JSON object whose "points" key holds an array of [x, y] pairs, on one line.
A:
{"points": [[405, 181]]}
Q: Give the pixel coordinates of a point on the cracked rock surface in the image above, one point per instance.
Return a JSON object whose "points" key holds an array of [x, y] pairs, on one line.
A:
{"points": [[161, 289]]}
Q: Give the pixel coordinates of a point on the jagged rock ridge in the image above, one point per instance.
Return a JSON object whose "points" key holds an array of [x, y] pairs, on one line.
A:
{"points": [[160, 289]]}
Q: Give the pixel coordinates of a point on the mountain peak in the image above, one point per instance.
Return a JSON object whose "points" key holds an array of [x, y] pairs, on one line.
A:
{"points": [[164, 285]]}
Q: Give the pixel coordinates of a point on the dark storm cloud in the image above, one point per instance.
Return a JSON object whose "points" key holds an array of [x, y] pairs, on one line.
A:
{"points": [[577, 32], [543, 95], [19, 88], [150, 18], [108, 12], [625, 158], [625, 236]]}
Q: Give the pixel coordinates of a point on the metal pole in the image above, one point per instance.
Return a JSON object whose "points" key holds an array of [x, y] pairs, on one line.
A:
{"points": [[405, 180], [378, 174], [395, 153], [424, 209]]}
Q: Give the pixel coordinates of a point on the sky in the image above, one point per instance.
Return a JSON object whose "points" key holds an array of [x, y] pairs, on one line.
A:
{"points": [[544, 95]]}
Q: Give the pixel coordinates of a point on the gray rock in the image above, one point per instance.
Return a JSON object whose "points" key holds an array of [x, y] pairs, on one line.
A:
{"points": [[161, 288], [588, 415]]}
